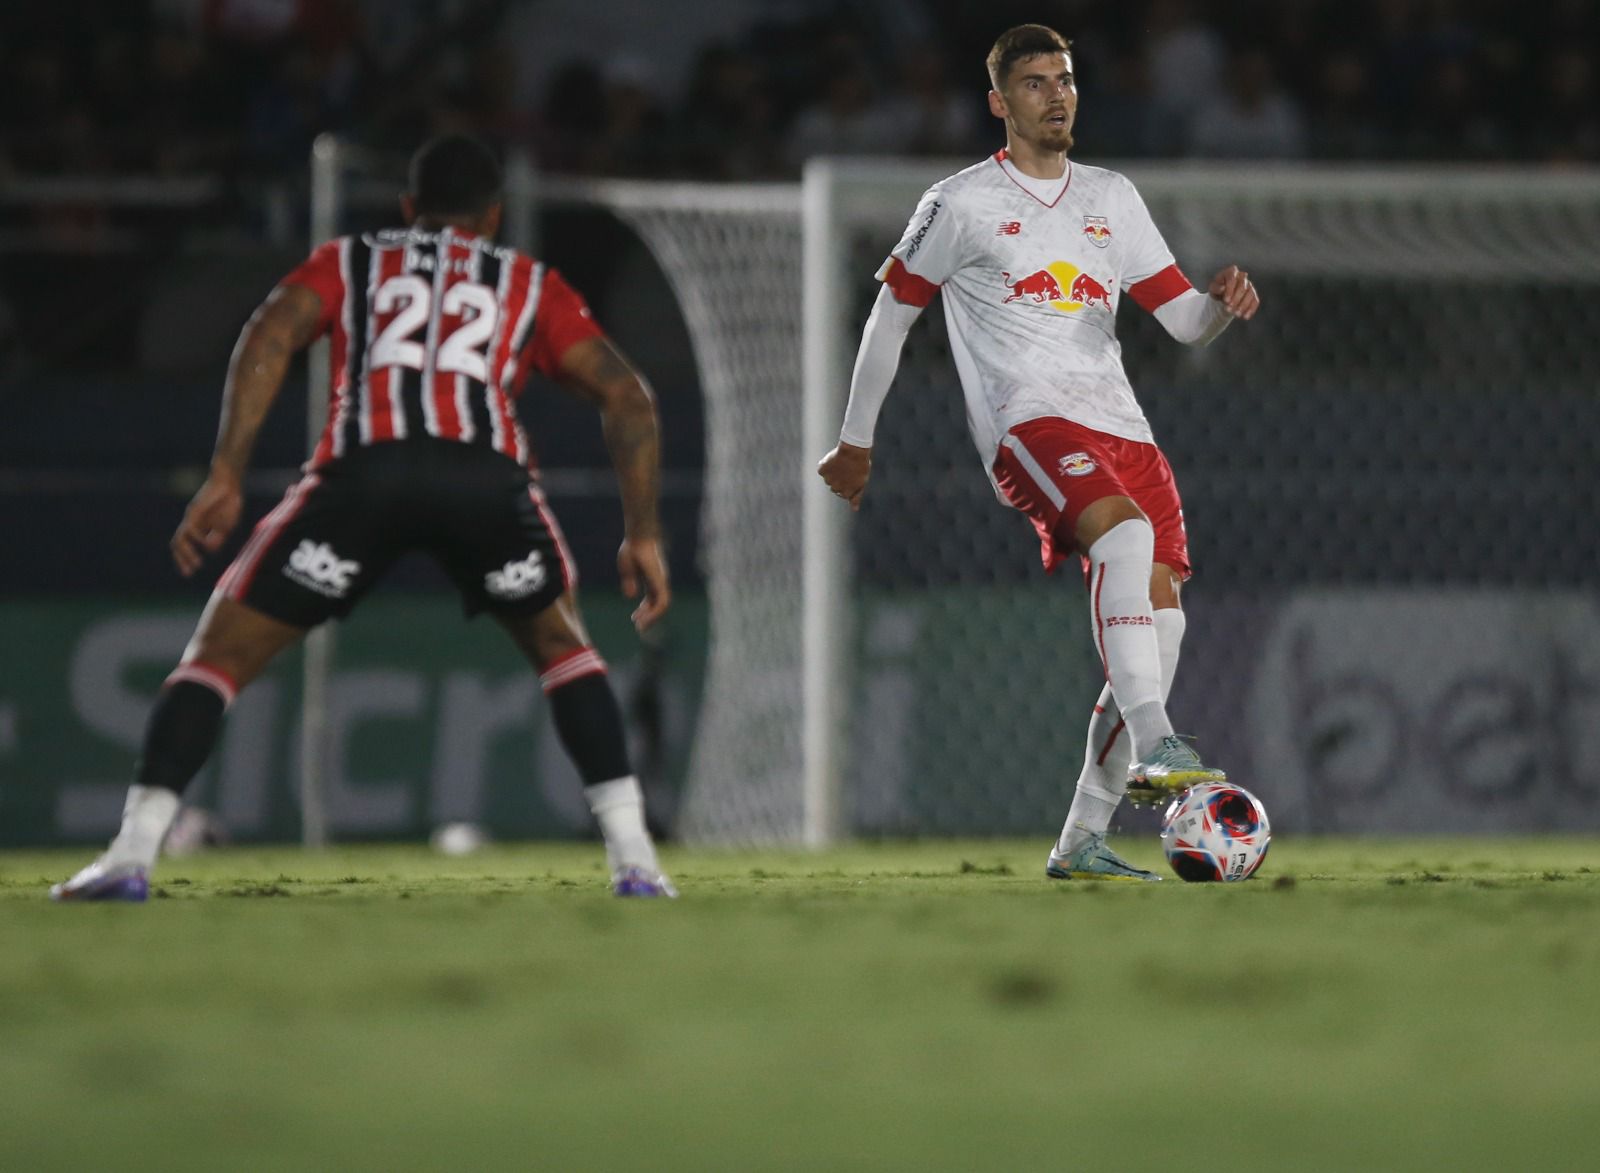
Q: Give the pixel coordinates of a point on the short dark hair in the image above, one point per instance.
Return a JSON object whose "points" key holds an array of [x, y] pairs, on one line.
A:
{"points": [[454, 175], [1020, 43]]}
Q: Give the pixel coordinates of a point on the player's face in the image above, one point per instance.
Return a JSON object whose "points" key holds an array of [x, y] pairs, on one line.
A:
{"points": [[1040, 101]]}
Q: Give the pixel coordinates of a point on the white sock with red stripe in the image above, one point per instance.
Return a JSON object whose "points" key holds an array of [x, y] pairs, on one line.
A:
{"points": [[1124, 627], [618, 807], [146, 817], [1104, 778]]}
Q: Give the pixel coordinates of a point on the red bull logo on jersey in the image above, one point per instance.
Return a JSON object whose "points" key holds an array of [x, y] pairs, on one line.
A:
{"points": [[1061, 284], [1040, 286], [1096, 231], [1086, 290]]}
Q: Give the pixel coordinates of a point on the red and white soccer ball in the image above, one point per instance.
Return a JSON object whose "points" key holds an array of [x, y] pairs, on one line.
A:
{"points": [[1215, 831]]}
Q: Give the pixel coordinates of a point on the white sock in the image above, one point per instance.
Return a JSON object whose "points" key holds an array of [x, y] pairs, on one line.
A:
{"points": [[1124, 628], [618, 806], [1104, 777], [146, 817]]}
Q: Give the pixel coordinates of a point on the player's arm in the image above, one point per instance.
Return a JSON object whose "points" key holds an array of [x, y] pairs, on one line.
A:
{"points": [[596, 371], [283, 325], [1196, 319], [848, 467], [1154, 281], [931, 249]]}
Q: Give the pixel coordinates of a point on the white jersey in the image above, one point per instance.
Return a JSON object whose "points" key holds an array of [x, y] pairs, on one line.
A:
{"points": [[1032, 272]]}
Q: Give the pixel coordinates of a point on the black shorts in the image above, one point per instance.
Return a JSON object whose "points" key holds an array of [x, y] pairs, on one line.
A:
{"points": [[341, 526]]}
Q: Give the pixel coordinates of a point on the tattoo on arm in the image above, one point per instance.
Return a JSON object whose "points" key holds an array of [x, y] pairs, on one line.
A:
{"points": [[597, 371], [284, 324]]}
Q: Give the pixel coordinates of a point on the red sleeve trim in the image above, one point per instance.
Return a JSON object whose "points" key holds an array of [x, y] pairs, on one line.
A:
{"points": [[907, 287], [1154, 292]]}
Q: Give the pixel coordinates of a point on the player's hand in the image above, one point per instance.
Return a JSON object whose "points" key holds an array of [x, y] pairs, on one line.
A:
{"points": [[641, 564], [208, 521], [846, 470], [1233, 289]]}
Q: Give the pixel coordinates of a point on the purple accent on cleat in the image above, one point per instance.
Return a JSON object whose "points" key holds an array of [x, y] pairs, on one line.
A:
{"points": [[129, 887], [634, 881]]}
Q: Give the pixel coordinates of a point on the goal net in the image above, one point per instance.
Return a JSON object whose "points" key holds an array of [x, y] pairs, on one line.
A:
{"points": [[1391, 624]]}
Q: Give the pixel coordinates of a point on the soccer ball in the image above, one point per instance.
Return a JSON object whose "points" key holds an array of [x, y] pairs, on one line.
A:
{"points": [[1215, 831]]}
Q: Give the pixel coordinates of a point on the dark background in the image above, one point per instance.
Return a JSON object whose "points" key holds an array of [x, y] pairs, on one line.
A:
{"points": [[119, 299]]}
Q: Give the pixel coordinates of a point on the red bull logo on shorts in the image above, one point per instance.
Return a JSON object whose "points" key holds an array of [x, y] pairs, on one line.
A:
{"points": [[1075, 464], [1061, 284]]}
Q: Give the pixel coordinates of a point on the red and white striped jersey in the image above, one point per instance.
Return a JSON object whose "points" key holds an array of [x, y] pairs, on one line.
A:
{"points": [[434, 334]]}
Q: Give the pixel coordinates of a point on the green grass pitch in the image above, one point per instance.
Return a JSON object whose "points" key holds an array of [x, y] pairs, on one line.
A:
{"points": [[1362, 1004]]}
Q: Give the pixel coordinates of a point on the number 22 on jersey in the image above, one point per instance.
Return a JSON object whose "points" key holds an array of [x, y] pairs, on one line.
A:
{"points": [[463, 351]]}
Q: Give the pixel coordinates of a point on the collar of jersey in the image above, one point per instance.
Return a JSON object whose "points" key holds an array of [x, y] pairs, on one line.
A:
{"points": [[1047, 191]]}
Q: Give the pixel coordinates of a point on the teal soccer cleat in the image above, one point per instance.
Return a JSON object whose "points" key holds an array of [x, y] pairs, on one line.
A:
{"points": [[1093, 860], [1171, 768]]}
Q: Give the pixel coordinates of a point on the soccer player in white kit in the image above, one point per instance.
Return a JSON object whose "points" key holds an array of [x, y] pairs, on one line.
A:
{"points": [[1033, 253]]}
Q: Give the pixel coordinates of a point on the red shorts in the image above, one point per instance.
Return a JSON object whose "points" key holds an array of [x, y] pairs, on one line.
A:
{"points": [[1054, 469]]}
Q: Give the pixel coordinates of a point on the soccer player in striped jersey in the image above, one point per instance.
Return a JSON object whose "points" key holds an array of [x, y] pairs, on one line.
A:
{"points": [[1033, 253], [433, 331]]}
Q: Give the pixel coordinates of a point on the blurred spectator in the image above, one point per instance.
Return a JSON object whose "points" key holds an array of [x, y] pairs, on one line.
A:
{"points": [[1252, 118], [729, 123], [574, 116], [239, 88], [1117, 113], [1344, 124], [1452, 118], [634, 136], [1185, 60], [848, 118], [1567, 129], [926, 115]]}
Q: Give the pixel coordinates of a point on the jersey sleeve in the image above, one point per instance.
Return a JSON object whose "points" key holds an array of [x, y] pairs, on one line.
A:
{"points": [[562, 320], [1149, 274], [928, 254], [322, 273]]}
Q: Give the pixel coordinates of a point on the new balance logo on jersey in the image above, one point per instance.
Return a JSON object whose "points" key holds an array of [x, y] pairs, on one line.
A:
{"points": [[516, 580], [316, 567], [1009, 228]]}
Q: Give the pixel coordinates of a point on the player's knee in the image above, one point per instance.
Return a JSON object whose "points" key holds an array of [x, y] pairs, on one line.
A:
{"points": [[1165, 586], [545, 638], [1106, 515]]}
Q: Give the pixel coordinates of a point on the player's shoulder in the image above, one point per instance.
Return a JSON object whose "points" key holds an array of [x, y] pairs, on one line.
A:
{"points": [[1090, 180], [981, 176]]}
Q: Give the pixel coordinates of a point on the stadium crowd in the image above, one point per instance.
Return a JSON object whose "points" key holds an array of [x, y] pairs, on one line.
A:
{"points": [[238, 88]]}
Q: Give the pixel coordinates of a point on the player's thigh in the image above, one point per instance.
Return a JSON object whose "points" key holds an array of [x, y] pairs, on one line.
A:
{"points": [[497, 538], [316, 554], [1064, 477], [1154, 488], [547, 637], [1166, 585], [237, 640]]}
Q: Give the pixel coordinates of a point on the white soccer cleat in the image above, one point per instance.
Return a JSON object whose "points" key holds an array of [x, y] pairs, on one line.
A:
{"points": [[126, 882]]}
